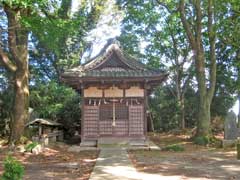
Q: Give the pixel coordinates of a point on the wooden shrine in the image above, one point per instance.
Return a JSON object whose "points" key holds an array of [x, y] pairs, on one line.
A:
{"points": [[114, 89]]}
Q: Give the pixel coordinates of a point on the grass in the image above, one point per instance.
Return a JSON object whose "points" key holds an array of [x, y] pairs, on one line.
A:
{"points": [[174, 148]]}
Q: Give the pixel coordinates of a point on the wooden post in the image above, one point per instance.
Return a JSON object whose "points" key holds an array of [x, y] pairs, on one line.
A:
{"points": [[145, 106], [114, 114], [82, 112], [40, 130]]}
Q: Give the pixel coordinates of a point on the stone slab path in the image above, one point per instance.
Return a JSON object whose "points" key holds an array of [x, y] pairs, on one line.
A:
{"points": [[114, 164]]}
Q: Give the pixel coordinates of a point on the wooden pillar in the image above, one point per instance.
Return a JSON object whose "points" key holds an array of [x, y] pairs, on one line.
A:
{"points": [[82, 112], [146, 87], [145, 111], [40, 130]]}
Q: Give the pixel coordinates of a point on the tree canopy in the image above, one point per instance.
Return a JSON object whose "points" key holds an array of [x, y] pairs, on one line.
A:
{"points": [[197, 42]]}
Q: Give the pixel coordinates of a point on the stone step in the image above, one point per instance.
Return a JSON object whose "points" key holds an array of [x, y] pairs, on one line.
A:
{"points": [[139, 143], [116, 141], [89, 143]]}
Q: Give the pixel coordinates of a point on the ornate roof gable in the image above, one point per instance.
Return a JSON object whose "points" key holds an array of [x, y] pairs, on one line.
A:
{"points": [[112, 63], [114, 59]]}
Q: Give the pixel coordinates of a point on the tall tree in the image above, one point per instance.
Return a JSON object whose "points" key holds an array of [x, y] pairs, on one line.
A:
{"points": [[33, 16], [159, 27], [60, 39], [229, 42], [194, 27], [15, 60]]}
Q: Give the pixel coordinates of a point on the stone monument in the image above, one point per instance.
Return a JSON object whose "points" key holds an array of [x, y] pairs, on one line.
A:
{"points": [[230, 126], [231, 131]]}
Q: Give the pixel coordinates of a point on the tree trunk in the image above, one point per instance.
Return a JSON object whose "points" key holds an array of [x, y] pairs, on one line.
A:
{"points": [[239, 109], [18, 64], [182, 110], [21, 104], [151, 123], [195, 38], [203, 126]]}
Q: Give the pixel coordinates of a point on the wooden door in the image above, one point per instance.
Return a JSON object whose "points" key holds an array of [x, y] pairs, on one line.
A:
{"points": [[106, 125], [136, 120], [121, 128], [91, 116], [105, 120]]}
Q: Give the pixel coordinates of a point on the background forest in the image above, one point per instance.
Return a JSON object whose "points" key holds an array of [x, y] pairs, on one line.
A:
{"points": [[196, 42]]}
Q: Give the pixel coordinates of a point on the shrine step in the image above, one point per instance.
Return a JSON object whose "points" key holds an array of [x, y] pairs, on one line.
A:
{"points": [[138, 142], [112, 142], [122, 142], [88, 143]]}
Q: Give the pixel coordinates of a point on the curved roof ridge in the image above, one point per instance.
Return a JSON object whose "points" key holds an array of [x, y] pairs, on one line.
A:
{"points": [[130, 61]]}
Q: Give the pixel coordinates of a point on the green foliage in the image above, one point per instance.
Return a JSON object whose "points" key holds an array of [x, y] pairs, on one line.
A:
{"points": [[56, 102], [25, 4], [30, 146], [201, 140], [157, 25], [164, 108], [6, 102], [174, 147], [49, 99], [70, 114], [23, 140], [13, 170], [58, 37]]}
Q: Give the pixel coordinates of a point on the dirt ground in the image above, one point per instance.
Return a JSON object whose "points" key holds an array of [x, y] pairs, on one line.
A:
{"points": [[195, 162], [55, 163]]}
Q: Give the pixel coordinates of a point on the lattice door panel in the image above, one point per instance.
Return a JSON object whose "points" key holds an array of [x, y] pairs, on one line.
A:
{"points": [[121, 128], [136, 120], [91, 116], [105, 122]]}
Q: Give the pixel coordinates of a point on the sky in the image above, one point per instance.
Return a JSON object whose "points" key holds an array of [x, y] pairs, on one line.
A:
{"points": [[235, 108], [109, 26]]}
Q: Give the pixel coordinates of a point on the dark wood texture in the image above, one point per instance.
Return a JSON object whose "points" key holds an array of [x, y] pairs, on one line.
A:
{"points": [[136, 120], [91, 116]]}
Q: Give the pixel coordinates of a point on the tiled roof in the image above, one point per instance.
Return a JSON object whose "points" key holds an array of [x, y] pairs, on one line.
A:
{"points": [[112, 63]]}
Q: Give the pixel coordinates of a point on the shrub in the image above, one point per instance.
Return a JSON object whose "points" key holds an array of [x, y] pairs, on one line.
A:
{"points": [[30, 146], [23, 140], [201, 140], [13, 170], [174, 147]]}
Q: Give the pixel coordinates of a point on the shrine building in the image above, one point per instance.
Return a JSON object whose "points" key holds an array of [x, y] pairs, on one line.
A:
{"points": [[114, 88]]}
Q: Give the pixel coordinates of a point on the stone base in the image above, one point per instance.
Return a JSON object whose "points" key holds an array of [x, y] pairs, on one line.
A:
{"points": [[119, 140], [81, 148], [229, 143], [138, 143], [88, 143]]}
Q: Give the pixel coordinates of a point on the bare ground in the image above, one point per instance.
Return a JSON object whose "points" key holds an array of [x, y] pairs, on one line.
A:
{"points": [[195, 162], [55, 163]]}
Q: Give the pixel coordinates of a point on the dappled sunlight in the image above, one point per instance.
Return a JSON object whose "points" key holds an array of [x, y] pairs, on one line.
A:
{"points": [[195, 162], [121, 171], [131, 173], [50, 152], [54, 163], [232, 167], [89, 160]]}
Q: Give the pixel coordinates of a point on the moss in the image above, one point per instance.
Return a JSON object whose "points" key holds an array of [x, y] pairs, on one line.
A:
{"points": [[174, 147], [238, 151], [201, 140]]}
